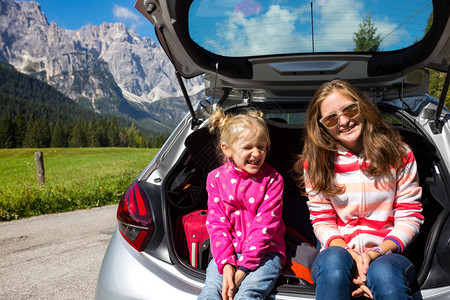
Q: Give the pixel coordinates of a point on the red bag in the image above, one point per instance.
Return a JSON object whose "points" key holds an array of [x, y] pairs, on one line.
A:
{"points": [[197, 237]]}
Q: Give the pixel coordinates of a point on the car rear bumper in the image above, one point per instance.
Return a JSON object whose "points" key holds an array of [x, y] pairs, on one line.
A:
{"points": [[128, 274]]}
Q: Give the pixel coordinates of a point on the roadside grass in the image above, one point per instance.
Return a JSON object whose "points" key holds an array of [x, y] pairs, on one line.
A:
{"points": [[75, 178]]}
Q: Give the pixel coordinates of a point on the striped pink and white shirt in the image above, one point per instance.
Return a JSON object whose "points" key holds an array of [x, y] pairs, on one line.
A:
{"points": [[372, 209]]}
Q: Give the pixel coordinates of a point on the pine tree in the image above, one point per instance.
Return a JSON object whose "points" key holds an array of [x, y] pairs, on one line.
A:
{"points": [[123, 139], [102, 133], [132, 133], [366, 39], [113, 133], [31, 134], [78, 138], [7, 133], [92, 134], [59, 136], [429, 22], [159, 140], [21, 129], [3, 134], [44, 134]]}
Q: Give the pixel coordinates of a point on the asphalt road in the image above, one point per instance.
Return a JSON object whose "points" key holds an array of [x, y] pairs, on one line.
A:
{"points": [[54, 256]]}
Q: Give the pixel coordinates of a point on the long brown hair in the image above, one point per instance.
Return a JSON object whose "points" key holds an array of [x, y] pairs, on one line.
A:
{"points": [[320, 148]]}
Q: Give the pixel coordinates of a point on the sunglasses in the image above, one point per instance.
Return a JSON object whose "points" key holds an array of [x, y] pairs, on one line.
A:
{"points": [[348, 111]]}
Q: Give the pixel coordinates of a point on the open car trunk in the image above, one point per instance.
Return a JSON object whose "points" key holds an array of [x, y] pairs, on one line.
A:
{"points": [[186, 192]]}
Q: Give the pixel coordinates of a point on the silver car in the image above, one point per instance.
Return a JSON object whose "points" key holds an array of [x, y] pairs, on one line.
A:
{"points": [[273, 55]]}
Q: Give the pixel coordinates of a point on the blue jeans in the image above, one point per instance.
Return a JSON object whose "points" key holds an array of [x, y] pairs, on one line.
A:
{"points": [[389, 276], [256, 285]]}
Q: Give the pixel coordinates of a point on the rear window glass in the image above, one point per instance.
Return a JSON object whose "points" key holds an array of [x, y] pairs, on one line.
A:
{"points": [[265, 27], [296, 118]]}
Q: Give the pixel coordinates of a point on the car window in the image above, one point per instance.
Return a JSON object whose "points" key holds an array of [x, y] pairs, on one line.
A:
{"points": [[296, 118], [264, 27], [392, 119]]}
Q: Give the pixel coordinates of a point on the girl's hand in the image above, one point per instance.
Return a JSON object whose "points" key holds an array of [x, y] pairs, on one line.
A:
{"points": [[228, 286], [238, 278]]}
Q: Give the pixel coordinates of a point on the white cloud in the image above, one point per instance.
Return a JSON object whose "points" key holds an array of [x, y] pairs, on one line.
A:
{"points": [[124, 14], [245, 34], [336, 22]]}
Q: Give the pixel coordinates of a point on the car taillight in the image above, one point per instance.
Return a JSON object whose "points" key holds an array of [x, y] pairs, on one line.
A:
{"points": [[133, 214]]}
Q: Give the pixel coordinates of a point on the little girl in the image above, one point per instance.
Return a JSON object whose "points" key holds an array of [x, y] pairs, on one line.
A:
{"points": [[244, 221]]}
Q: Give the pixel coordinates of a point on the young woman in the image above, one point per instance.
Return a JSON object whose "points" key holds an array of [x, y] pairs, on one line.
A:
{"points": [[363, 196], [244, 212]]}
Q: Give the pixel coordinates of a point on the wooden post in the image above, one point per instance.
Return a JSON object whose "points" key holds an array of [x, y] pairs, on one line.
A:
{"points": [[39, 159]]}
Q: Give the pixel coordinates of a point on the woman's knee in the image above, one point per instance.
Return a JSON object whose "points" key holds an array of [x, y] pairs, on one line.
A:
{"points": [[334, 264], [391, 266], [392, 271], [391, 277], [334, 256]]}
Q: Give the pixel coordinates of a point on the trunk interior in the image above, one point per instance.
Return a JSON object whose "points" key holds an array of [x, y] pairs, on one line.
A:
{"points": [[186, 193]]}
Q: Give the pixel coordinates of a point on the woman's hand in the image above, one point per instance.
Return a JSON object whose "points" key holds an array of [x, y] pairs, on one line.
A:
{"points": [[228, 285], [363, 261], [362, 290], [362, 265]]}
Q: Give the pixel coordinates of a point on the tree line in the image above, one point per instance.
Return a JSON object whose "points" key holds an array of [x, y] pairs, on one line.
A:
{"points": [[17, 132], [35, 115]]}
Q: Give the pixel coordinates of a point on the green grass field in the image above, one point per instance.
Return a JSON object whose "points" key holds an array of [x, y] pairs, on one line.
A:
{"points": [[75, 178]]}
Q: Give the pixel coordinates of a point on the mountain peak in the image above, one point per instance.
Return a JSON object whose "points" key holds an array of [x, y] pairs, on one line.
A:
{"points": [[100, 65]]}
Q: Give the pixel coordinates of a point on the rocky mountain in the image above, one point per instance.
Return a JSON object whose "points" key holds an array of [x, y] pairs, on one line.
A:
{"points": [[108, 68]]}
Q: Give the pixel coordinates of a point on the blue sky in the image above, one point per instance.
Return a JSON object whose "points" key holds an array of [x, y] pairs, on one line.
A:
{"points": [[75, 14]]}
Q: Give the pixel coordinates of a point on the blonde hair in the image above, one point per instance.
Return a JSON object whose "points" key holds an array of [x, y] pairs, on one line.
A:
{"points": [[228, 126], [320, 147]]}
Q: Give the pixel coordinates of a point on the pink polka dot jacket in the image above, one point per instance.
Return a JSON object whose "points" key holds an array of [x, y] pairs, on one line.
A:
{"points": [[245, 215]]}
